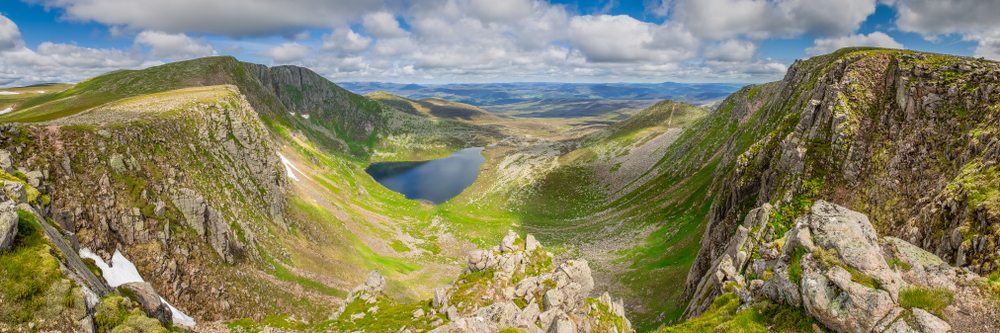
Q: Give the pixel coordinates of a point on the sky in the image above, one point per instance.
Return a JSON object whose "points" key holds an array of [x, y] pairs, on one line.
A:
{"points": [[458, 41]]}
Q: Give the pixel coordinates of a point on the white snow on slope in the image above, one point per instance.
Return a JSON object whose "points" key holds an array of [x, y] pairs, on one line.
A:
{"points": [[7, 110], [9, 93], [289, 167], [122, 271]]}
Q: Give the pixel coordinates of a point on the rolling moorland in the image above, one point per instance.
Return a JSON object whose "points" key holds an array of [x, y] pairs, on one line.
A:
{"points": [[554, 100], [858, 194]]}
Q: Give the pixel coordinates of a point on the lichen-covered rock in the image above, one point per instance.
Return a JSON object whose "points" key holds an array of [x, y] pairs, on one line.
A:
{"points": [[8, 224], [834, 265], [14, 190], [6, 161]]}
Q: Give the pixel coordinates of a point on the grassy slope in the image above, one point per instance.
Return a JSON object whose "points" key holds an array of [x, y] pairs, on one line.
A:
{"points": [[26, 93], [433, 107]]}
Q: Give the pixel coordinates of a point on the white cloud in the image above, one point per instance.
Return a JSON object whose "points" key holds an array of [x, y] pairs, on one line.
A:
{"points": [[383, 25], [720, 19], [287, 52], [973, 20], [226, 17], [10, 35], [989, 47], [346, 40], [172, 46], [935, 17], [621, 38], [877, 39], [503, 11], [56, 62], [731, 50], [605, 38]]}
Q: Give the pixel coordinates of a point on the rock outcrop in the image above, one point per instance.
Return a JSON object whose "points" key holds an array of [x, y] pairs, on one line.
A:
{"points": [[8, 224], [508, 286], [833, 264]]}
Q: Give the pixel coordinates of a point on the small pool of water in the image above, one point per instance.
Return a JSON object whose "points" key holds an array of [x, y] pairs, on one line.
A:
{"points": [[435, 180]]}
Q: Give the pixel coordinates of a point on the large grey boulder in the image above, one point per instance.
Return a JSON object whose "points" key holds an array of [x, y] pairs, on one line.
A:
{"points": [[845, 281], [8, 225], [848, 237], [149, 301], [6, 161]]}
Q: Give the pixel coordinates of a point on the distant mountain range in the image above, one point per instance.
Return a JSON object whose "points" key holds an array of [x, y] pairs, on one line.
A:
{"points": [[541, 99]]}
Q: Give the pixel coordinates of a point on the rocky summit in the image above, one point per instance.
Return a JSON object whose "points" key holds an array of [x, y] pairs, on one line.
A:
{"points": [[860, 193]]}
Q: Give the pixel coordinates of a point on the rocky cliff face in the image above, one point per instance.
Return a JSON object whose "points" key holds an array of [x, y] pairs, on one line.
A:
{"points": [[907, 138], [183, 194]]}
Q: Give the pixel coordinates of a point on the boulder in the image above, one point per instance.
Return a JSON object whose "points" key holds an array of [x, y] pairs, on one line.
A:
{"points": [[8, 225], [530, 243], [34, 178], [507, 244], [6, 161], [149, 301], [14, 190], [850, 237], [927, 322]]}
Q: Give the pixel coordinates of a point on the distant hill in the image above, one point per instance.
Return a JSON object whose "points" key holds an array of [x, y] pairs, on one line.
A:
{"points": [[434, 107], [539, 99]]}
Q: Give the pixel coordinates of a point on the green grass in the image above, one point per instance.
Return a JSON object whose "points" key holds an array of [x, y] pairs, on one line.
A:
{"points": [[724, 316], [933, 300], [111, 315], [282, 273], [28, 273], [795, 266]]}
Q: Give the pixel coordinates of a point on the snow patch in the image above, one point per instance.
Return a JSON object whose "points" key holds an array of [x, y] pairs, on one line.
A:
{"points": [[289, 167], [9, 93], [7, 110], [122, 271], [305, 116]]}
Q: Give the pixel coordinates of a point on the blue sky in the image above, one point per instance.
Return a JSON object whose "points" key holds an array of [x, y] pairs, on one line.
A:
{"points": [[439, 41]]}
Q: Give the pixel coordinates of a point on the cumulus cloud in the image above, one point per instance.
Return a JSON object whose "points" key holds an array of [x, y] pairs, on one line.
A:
{"points": [[720, 19], [973, 20], [731, 50], [346, 40], [10, 35], [172, 46], [621, 38], [56, 62], [877, 39], [225, 17], [507, 10], [286, 52], [383, 25]]}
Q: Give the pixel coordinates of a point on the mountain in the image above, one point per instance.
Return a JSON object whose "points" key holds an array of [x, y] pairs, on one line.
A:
{"points": [[900, 136], [857, 194], [555, 100]]}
